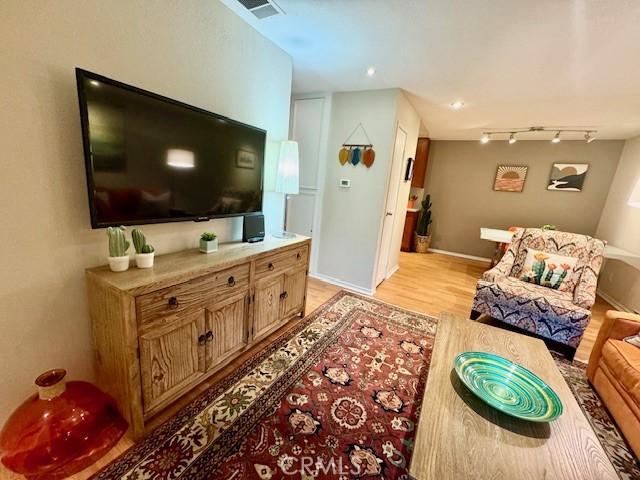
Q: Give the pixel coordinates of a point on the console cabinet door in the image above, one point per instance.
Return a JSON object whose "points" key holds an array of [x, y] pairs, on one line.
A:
{"points": [[268, 305], [295, 282], [227, 328], [171, 359]]}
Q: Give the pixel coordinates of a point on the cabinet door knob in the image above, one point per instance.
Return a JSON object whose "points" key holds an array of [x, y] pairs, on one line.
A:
{"points": [[232, 281], [173, 302], [270, 267], [298, 256], [202, 339], [209, 336], [284, 295]]}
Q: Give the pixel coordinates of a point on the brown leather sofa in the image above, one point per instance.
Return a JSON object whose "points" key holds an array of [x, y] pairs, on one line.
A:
{"points": [[614, 371]]}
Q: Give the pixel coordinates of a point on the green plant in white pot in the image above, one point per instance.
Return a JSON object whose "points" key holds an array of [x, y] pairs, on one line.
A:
{"points": [[208, 242], [422, 237], [118, 246], [144, 251]]}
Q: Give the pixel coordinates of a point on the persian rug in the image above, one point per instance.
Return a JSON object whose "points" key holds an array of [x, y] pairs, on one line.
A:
{"points": [[336, 397]]}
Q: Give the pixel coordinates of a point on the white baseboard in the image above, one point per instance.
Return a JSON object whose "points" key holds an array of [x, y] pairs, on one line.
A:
{"points": [[461, 255], [342, 284], [393, 270], [613, 302]]}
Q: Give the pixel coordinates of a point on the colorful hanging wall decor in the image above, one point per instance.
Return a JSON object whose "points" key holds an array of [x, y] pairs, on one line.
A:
{"points": [[355, 153]]}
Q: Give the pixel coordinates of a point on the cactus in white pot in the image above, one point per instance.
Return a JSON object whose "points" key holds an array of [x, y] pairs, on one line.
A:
{"points": [[118, 246], [144, 251]]}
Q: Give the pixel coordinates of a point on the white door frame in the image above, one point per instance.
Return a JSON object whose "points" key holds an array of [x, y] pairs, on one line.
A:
{"points": [[393, 187]]}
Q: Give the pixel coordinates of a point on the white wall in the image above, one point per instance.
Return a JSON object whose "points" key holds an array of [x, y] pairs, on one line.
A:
{"points": [[620, 226], [408, 118], [351, 217], [196, 51]]}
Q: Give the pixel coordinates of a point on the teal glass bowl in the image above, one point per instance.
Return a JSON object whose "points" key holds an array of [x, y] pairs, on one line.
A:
{"points": [[508, 387]]}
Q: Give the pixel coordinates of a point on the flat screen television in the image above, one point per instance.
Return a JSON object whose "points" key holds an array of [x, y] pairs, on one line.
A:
{"points": [[150, 159]]}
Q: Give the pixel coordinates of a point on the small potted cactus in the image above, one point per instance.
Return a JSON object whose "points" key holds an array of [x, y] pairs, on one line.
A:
{"points": [[208, 242], [118, 246], [144, 251]]}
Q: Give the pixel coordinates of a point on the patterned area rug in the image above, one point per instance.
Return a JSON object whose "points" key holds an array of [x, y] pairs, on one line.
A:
{"points": [[337, 397]]}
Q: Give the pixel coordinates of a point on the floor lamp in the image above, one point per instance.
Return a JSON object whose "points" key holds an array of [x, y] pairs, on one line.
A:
{"points": [[287, 181]]}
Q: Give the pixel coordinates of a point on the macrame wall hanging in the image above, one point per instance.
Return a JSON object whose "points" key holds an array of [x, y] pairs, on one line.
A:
{"points": [[354, 153]]}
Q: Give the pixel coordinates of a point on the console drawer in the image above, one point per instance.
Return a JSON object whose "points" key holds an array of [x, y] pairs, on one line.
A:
{"points": [[281, 261], [194, 293]]}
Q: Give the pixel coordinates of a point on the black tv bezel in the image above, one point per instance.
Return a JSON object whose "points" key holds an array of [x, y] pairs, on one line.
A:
{"points": [[81, 75]]}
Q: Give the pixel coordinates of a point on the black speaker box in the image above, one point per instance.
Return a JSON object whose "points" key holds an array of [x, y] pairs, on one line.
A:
{"points": [[253, 228]]}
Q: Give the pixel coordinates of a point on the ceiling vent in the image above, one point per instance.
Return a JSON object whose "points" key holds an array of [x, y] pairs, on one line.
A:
{"points": [[261, 8]]}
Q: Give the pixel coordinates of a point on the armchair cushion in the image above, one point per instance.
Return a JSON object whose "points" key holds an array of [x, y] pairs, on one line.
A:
{"points": [[547, 312]]}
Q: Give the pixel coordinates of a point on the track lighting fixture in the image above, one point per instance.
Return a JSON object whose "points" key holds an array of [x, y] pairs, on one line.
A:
{"points": [[589, 135]]}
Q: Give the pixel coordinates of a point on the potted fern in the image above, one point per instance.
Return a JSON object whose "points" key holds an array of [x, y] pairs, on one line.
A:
{"points": [[208, 242], [144, 251], [118, 246], [422, 236]]}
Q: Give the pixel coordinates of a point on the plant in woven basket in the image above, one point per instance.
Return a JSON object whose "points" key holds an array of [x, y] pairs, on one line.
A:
{"points": [[422, 237]]}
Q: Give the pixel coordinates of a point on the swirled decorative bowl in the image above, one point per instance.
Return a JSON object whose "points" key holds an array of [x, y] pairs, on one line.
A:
{"points": [[508, 387]]}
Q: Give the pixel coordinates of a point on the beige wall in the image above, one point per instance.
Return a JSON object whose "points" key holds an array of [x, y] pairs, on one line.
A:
{"points": [[620, 225], [196, 51], [351, 217], [460, 180]]}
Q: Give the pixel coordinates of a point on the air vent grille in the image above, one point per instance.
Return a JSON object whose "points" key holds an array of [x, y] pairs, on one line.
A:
{"points": [[262, 8], [264, 12], [249, 4]]}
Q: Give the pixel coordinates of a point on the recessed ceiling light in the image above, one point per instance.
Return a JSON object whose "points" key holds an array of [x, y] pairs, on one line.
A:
{"points": [[95, 83], [371, 71], [457, 105], [556, 139], [485, 138]]}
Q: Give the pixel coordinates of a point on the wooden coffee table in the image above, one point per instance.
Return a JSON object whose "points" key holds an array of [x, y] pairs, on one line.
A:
{"points": [[461, 437]]}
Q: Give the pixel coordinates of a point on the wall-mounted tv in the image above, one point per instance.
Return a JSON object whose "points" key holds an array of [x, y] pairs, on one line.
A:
{"points": [[150, 159]]}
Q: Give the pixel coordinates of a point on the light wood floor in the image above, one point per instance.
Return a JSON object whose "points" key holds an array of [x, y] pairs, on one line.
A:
{"points": [[430, 284]]}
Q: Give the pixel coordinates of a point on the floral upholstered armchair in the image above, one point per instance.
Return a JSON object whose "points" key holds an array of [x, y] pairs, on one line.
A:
{"points": [[552, 300]]}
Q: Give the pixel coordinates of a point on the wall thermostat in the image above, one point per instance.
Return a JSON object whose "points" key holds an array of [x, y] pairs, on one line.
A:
{"points": [[345, 183]]}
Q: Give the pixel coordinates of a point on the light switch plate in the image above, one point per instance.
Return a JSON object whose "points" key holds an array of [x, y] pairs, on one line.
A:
{"points": [[345, 183]]}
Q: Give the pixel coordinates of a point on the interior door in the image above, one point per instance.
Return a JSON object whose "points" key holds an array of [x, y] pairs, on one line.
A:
{"points": [[171, 358], [227, 328], [397, 164], [268, 306]]}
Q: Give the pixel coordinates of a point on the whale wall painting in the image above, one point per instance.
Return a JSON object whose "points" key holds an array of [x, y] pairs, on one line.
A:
{"points": [[568, 177]]}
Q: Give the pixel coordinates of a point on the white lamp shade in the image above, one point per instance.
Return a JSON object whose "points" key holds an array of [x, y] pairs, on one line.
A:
{"points": [[287, 180], [179, 158], [634, 199]]}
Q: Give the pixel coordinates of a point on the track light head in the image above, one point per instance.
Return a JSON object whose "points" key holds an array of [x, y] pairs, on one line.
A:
{"points": [[589, 137], [556, 139], [512, 138], [485, 138]]}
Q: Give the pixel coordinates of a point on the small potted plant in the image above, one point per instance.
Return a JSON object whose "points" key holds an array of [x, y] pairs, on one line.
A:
{"points": [[208, 242], [422, 237], [144, 251], [412, 201], [118, 246]]}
